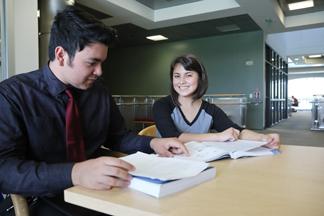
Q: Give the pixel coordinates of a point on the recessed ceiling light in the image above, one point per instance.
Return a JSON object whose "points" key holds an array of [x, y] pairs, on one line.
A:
{"points": [[301, 5], [228, 28], [315, 56], [70, 2], [156, 37]]}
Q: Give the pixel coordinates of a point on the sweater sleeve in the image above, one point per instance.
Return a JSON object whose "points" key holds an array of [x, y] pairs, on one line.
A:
{"points": [[162, 110]]}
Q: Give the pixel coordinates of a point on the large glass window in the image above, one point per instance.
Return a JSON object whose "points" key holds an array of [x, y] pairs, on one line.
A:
{"points": [[304, 89]]}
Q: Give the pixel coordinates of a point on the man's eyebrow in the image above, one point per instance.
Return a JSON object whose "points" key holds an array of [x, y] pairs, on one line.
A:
{"points": [[95, 59]]}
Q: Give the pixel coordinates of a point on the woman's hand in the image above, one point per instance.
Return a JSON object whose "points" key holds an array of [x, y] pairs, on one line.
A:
{"points": [[230, 134], [273, 140]]}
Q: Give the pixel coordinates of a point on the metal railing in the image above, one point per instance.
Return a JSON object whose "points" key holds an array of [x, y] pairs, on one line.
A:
{"points": [[137, 109], [318, 112]]}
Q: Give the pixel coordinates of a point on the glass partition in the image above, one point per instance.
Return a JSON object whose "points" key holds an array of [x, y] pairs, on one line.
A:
{"points": [[276, 87], [137, 109]]}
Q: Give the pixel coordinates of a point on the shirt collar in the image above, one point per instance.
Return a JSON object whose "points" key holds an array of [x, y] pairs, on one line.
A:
{"points": [[54, 85]]}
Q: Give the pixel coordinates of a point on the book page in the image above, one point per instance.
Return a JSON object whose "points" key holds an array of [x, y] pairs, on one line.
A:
{"points": [[237, 145], [208, 151], [203, 152], [260, 151], [163, 168]]}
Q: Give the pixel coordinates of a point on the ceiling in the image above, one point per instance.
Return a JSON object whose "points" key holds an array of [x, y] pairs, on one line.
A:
{"points": [[134, 34], [186, 19], [159, 4], [318, 6]]}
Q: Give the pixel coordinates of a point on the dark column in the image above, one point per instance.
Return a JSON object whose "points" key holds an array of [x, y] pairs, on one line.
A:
{"points": [[48, 9]]}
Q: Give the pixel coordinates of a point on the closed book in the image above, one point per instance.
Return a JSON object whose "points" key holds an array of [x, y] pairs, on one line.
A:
{"points": [[158, 188], [161, 176]]}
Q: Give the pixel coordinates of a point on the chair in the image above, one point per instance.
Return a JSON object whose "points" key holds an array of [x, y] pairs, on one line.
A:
{"points": [[20, 205], [149, 131]]}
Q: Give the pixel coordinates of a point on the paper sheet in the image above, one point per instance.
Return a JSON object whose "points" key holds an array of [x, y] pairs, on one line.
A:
{"points": [[162, 168]]}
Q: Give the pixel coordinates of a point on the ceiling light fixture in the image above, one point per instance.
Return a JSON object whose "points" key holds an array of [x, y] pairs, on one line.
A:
{"points": [[70, 2], [228, 28], [301, 5], [157, 37], [315, 56]]}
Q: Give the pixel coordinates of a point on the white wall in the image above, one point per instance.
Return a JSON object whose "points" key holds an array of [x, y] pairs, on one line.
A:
{"points": [[22, 36]]}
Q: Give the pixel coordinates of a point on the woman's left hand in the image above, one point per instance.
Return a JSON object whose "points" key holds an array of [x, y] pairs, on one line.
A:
{"points": [[273, 140]]}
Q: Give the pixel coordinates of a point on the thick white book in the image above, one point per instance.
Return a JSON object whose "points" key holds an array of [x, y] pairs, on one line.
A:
{"points": [[159, 188], [210, 151], [160, 176]]}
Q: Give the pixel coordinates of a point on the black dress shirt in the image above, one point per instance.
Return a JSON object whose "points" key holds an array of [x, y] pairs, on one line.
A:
{"points": [[33, 158]]}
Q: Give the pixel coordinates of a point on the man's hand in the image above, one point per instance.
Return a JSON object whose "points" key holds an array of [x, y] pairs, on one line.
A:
{"points": [[102, 173], [167, 147]]}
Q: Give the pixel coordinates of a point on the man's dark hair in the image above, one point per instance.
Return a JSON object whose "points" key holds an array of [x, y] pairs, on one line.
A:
{"points": [[190, 63], [73, 29]]}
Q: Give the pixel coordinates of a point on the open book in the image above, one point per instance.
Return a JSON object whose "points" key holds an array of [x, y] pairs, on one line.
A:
{"points": [[160, 176], [209, 151]]}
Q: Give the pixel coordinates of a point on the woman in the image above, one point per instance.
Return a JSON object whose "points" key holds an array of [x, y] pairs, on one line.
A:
{"points": [[184, 114]]}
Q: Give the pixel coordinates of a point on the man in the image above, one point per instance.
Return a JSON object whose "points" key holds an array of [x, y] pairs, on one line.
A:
{"points": [[37, 155], [294, 103]]}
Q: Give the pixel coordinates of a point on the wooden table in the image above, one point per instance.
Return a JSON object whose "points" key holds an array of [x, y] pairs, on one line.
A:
{"points": [[291, 183]]}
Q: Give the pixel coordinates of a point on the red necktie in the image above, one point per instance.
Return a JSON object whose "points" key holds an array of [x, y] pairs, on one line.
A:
{"points": [[74, 137]]}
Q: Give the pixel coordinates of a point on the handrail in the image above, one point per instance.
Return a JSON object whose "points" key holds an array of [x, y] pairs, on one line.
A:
{"points": [[206, 95]]}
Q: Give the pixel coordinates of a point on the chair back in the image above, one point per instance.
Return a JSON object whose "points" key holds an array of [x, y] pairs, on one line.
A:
{"points": [[20, 205], [148, 131]]}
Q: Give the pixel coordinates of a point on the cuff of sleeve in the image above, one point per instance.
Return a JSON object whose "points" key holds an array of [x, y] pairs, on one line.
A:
{"points": [[61, 177], [146, 144]]}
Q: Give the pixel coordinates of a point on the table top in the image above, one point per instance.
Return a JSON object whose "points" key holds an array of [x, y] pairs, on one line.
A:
{"points": [[291, 183]]}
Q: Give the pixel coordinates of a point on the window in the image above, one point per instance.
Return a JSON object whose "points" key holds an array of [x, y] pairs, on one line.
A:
{"points": [[304, 89]]}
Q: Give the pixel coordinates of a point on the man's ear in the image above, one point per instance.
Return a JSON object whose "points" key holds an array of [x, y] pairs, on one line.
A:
{"points": [[60, 55]]}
